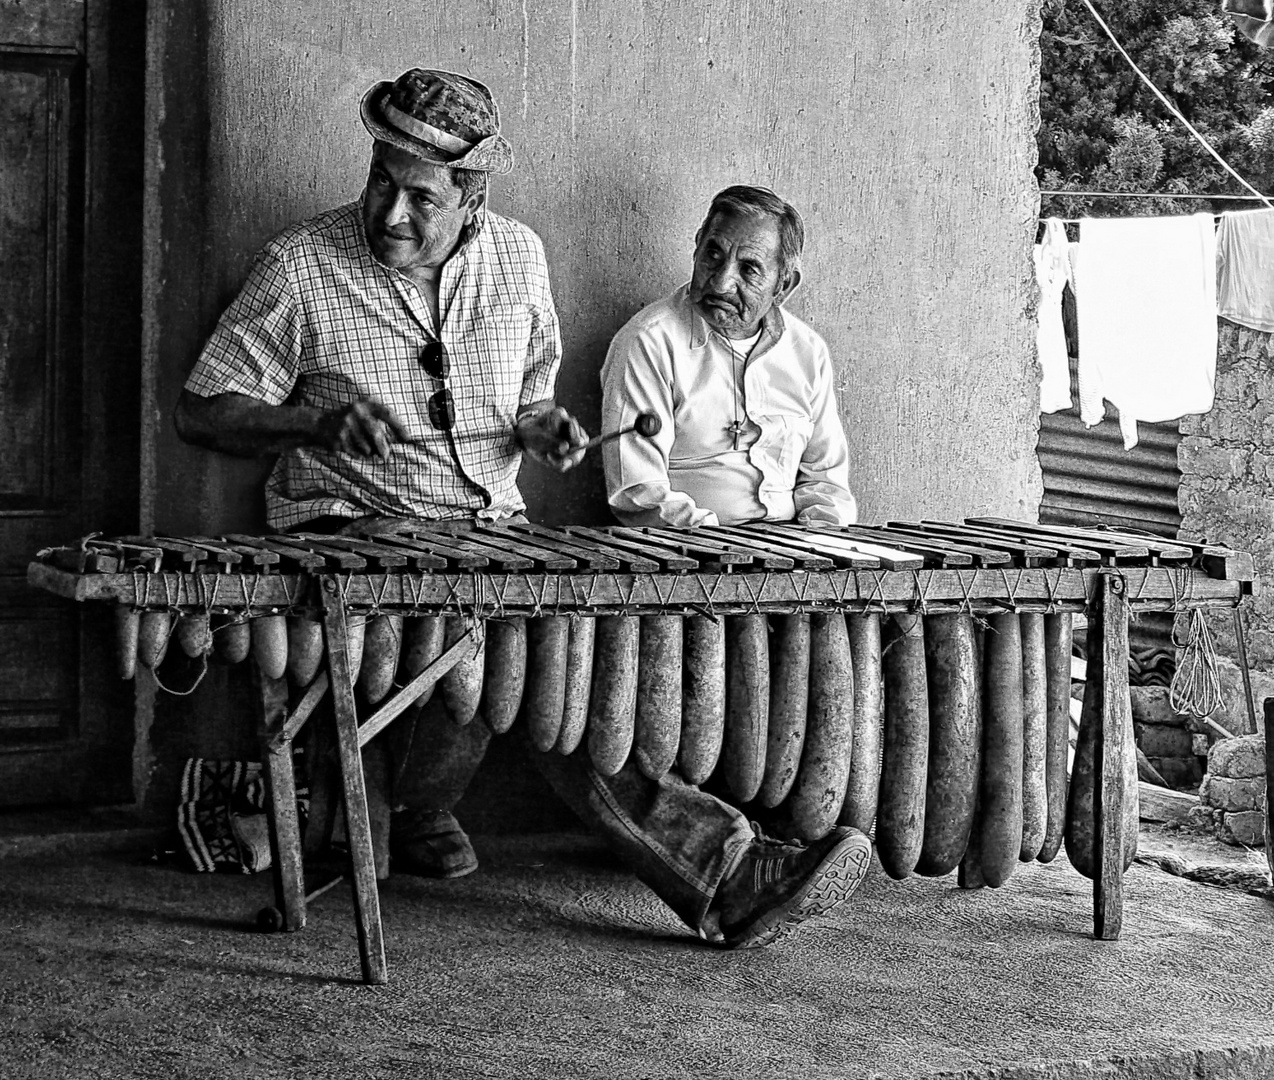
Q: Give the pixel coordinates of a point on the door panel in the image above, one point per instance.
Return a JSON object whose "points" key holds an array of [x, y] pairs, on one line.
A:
{"points": [[65, 731]]}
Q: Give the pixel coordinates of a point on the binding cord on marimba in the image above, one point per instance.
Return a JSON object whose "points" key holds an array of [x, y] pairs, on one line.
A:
{"points": [[172, 614], [1196, 685], [203, 670]]}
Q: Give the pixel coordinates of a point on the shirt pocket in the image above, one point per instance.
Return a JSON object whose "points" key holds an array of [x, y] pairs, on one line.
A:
{"points": [[495, 350], [791, 436]]}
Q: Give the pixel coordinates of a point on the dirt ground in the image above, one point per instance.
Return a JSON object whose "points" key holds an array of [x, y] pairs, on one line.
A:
{"points": [[552, 962]]}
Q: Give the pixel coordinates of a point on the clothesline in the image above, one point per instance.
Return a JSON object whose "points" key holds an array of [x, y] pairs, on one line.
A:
{"points": [[1151, 195], [1146, 310], [1147, 294], [1141, 195], [1216, 218]]}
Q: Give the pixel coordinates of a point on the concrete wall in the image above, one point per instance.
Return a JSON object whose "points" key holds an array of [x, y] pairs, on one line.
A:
{"points": [[907, 142]]}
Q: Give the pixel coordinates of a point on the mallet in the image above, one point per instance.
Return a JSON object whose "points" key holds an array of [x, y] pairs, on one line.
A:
{"points": [[646, 425], [270, 919]]}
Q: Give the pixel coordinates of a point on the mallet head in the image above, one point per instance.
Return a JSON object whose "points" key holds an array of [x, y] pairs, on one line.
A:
{"points": [[647, 424]]}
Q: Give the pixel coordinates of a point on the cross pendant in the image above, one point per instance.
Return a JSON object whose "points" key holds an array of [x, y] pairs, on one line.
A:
{"points": [[735, 429]]}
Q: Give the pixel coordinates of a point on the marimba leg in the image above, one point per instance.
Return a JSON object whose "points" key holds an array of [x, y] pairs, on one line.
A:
{"points": [[285, 830], [371, 941], [1113, 737]]}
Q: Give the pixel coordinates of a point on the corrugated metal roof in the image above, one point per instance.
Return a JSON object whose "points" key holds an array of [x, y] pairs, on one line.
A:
{"points": [[1089, 476]]}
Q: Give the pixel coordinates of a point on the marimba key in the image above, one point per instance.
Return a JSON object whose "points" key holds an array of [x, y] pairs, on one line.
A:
{"points": [[818, 792], [305, 648], [747, 703], [127, 627], [382, 644], [900, 812], [547, 659], [863, 787], [461, 684], [505, 669], [703, 697], [152, 638], [657, 721], [612, 706], [954, 679], [1034, 735], [1001, 837], [579, 677], [790, 693], [1057, 654], [269, 634]]}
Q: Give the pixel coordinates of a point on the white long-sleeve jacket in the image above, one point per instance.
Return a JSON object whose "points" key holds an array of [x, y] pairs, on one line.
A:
{"points": [[791, 461]]}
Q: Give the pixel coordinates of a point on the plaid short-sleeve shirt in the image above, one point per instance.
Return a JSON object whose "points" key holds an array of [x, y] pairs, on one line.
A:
{"points": [[319, 322]]}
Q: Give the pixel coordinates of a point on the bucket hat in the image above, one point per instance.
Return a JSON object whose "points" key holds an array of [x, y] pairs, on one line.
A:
{"points": [[440, 117]]}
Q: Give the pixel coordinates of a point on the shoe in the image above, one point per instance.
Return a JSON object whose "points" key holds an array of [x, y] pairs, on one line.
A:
{"points": [[777, 886], [430, 843]]}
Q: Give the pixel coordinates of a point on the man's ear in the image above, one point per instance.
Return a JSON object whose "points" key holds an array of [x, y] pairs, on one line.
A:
{"points": [[474, 203], [788, 286]]}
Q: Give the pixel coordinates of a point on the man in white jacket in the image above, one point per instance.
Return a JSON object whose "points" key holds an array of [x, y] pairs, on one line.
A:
{"points": [[743, 389]]}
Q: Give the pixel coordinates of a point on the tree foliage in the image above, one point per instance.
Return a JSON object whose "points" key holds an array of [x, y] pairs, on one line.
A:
{"points": [[1103, 129]]}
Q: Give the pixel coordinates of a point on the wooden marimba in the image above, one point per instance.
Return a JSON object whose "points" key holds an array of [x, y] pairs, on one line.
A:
{"points": [[915, 676]]}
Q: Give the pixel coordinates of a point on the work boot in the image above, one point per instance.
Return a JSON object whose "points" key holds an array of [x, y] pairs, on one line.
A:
{"points": [[777, 885], [429, 843]]}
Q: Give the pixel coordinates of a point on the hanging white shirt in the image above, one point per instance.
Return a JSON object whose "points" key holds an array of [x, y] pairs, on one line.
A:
{"points": [[785, 459], [1052, 272], [1245, 268], [1146, 308]]}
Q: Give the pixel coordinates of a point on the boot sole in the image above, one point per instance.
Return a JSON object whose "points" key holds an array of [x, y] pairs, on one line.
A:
{"points": [[403, 863], [833, 880]]}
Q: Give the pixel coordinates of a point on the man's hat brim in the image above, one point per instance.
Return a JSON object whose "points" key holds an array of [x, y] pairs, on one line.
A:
{"points": [[492, 154]]}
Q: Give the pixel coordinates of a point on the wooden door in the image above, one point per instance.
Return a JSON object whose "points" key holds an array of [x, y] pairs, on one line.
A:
{"points": [[71, 121]]}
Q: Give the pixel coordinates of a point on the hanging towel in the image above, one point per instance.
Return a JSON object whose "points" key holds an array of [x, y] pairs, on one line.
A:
{"points": [[1052, 271], [1245, 268], [1147, 310]]}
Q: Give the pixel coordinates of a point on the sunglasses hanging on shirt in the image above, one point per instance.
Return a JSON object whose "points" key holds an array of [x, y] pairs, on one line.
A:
{"points": [[434, 359], [441, 405], [442, 410]]}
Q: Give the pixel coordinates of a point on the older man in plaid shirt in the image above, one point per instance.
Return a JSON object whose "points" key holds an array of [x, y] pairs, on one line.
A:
{"points": [[400, 353]]}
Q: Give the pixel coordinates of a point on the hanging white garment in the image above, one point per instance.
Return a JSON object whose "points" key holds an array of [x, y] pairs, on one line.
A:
{"points": [[1092, 406], [1245, 268], [1146, 310], [1052, 271]]}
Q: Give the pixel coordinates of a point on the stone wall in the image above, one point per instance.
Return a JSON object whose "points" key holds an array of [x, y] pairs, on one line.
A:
{"points": [[1166, 737], [1227, 476], [1232, 795]]}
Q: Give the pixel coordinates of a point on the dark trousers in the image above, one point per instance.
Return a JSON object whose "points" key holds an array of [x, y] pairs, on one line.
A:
{"points": [[679, 840]]}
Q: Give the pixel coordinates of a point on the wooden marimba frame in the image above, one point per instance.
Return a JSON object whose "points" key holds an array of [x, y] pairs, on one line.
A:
{"points": [[472, 574]]}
